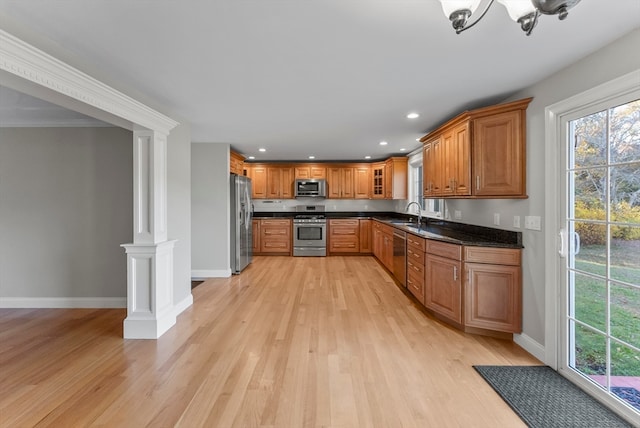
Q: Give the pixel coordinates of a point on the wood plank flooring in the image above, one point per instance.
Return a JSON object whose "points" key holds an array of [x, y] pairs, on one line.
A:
{"points": [[291, 342]]}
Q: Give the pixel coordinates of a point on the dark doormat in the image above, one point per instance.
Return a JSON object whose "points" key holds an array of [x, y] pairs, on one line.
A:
{"points": [[543, 398]]}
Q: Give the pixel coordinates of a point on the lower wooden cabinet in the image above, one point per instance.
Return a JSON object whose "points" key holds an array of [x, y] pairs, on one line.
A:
{"points": [[493, 291], [443, 287], [274, 236], [366, 244], [479, 289], [344, 236], [255, 235]]}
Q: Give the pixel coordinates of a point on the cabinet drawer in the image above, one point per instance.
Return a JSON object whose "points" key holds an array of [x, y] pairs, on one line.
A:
{"points": [[415, 257], [268, 230], [415, 284], [344, 222], [444, 249], [496, 256], [416, 268], [415, 242], [276, 222]]}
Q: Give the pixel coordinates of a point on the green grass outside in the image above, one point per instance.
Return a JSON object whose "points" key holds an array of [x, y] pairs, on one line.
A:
{"points": [[590, 308]]}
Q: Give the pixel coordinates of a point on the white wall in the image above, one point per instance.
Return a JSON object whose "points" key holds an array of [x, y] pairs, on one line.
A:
{"points": [[210, 210], [614, 60], [66, 203]]}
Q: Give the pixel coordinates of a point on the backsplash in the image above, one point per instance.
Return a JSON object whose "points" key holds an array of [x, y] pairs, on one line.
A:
{"points": [[264, 205]]}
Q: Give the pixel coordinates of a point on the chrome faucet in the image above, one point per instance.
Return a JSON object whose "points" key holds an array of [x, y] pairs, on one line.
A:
{"points": [[419, 212]]}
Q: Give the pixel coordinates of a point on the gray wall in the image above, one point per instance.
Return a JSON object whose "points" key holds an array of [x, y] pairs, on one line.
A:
{"points": [[614, 60], [66, 203], [179, 208], [210, 210]]}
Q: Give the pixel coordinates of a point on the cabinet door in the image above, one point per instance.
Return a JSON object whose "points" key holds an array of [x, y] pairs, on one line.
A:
{"points": [[432, 168], [303, 172], [499, 155], [493, 297], [286, 182], [443, 287], [366, 246], [258, 176], [317, 171], [348, 183], [334, 178], [362, 182], [446, 164], [388, 180], [462, 175], [377, 172], [273, 182], [255, 235]]}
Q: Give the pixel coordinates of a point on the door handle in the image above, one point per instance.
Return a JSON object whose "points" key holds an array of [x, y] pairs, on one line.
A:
{"points": [[563, 249], [576, 243]]}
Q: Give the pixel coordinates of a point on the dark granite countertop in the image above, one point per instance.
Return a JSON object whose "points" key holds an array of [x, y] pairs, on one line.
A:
{"points": [[440, 230]]}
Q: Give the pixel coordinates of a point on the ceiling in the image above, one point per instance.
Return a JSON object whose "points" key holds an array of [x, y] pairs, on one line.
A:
{"points": [[328, 78]]}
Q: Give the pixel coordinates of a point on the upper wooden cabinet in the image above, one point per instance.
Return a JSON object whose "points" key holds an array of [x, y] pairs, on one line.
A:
{"points": [[310, 171], [377, 175], [478, 154], [395, 178], [362, 182], [236, 163], [383, 180], [279, 182], [340, 183]]}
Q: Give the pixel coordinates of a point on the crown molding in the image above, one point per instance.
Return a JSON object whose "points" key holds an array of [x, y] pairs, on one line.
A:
{"points": [[28, 62]]}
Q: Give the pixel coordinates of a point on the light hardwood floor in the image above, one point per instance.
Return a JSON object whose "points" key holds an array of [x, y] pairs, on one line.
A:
{"points": [[291, 342]]}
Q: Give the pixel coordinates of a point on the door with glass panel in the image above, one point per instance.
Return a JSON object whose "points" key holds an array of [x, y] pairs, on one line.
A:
{"points": [[601, 245]]}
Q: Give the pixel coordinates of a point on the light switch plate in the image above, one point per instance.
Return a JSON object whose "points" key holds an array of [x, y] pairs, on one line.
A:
{"points": [[457, 214], [532, 222], [516, 221]]}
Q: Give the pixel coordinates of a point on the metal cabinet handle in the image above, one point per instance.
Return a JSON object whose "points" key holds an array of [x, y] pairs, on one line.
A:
{"points": [[477, 182], [455, 273]]}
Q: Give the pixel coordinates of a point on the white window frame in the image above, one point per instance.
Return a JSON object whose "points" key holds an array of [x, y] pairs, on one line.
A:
{"points": [[430, 207]]}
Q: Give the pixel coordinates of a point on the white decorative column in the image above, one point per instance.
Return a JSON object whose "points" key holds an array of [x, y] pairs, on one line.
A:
{"points": [[150, 310]]}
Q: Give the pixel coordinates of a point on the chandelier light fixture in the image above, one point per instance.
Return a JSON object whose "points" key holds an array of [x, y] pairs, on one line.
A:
{"points": [[524, 12]]}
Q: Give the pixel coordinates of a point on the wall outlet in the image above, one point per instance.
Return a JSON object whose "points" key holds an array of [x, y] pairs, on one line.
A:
{"points": [[496, 219], [457, 214], [516, 221], [446, 214], [532, 222]]}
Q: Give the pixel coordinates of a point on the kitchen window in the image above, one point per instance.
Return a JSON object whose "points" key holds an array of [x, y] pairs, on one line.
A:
{"points": [[430, 207]]}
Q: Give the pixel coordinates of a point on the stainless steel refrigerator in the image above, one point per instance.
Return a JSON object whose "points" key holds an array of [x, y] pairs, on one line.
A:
{"points": [[241, 216]]}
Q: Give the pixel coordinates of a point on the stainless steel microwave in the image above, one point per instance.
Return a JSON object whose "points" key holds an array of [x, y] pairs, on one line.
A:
{"points": [[311, 188]]}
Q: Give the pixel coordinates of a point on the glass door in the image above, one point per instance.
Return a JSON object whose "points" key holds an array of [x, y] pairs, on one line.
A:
{"points": [[601, 243]]}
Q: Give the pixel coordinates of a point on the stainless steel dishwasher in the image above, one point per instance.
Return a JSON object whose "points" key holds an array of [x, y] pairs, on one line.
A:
{"points": [[400, 256]]}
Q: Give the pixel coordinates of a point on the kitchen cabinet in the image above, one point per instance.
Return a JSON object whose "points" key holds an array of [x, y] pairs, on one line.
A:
{"points": [[443, 280], [236, 163], [275, 236], [366, 244], [344, 236], [416, 266], [478, 154], [258, 175], [493, 290], [377, 174], [310, 171], [395, 178], [383, 244], [255, 236], [279, 182], [340, 183], [362, 182]]}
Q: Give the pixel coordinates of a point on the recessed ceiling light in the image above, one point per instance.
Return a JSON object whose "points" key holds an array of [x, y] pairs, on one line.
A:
{"points": [[413, 116], [262, 149], [383, 143], [402, 149], [367, 157], [312, 157], [417, 139], [252, 157]]}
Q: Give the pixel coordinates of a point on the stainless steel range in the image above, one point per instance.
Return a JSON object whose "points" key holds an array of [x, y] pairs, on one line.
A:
{"points": [[310, 231]]}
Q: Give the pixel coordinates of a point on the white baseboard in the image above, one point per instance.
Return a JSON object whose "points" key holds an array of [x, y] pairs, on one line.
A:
{"points": [[182, 305], [531, 346], [63, 302], [216, 273]]}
